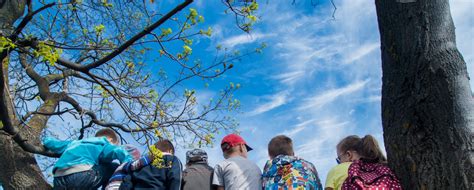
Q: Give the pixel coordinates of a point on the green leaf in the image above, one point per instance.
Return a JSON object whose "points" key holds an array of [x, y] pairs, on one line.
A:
{"points": [[187, 50], [165, 32], [99, 29]]}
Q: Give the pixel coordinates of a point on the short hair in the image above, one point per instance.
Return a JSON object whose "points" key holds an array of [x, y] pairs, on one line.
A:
{"points": [[165, 145], [227, 149], [107, 132], [280, 145]]}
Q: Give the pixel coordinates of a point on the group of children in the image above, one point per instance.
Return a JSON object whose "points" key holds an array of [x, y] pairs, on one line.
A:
{"points": [[91, 163]]}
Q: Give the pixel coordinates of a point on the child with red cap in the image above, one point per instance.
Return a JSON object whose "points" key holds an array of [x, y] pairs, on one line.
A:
{"points": [[236, 171]]}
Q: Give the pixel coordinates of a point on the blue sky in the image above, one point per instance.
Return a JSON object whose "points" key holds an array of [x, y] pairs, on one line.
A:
{"points": [[318, 80]]}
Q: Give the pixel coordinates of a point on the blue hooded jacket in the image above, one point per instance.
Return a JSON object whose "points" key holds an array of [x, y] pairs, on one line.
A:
{"points": [[89, 151]]}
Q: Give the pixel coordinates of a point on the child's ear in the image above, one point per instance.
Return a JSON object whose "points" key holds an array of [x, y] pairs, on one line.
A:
{"points": [[242, 148]]}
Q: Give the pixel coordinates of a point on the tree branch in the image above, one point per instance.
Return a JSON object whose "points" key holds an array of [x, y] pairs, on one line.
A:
{"points": [[127, 44], [27, 19]]}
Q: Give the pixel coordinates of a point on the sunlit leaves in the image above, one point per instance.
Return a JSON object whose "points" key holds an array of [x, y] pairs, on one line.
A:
{"points": [[106, 4], [208, 32], [246, 13], [157, 156], [99, 29], [187, 50], [188, 41], [188, 93], [165, 32], [6, 44], [47, 53]]}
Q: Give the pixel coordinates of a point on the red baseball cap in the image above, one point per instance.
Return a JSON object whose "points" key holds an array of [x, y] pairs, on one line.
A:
{"points": [[233, 140]]}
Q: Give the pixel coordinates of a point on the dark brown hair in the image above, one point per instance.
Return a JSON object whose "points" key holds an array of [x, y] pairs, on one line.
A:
{"points": [[107, 132], [165, 145], [280, 145], [366, 147]]}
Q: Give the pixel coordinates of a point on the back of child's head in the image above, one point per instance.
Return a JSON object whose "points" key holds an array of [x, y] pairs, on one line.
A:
{"points": [[109, 134], [367, 147], [280, 145], [227, 149], [165, 145]]}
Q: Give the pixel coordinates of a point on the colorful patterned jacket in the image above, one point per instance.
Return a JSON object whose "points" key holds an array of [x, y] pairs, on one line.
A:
{"points": [[290, 173]]}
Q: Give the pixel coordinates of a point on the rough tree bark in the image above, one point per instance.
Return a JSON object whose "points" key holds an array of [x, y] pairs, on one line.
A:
{"points": [[19, 169], [427, 103]]}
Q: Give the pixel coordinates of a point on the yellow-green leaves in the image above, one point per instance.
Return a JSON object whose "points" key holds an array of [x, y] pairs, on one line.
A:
{"points": [[208, 138], [47, 52], [157, 156], [249, 13], [232, 85], [155, 124], [253, 6], [193, 13], [187, 50], [188, 41], [99, 29], [102, 91], [188, 93], [1, 124], [165, 32], [208, 32], [252, 18], [106, 4], [130, 65], [6, 44]]}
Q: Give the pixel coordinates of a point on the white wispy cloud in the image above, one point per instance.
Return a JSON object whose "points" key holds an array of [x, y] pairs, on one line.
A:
{"points": [[360, 52], [275, 101], [294, 130], [327, 132], [329, 96], [241, 39], [290, 77]]}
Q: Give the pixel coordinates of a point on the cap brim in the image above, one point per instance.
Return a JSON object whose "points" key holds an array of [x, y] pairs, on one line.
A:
{"points": [[248, 147]]}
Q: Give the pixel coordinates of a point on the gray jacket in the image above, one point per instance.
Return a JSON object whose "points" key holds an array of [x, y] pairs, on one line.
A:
{"points": [[197, 176]]}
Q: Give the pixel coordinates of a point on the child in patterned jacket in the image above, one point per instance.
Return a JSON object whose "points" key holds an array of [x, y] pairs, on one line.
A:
{"points": [[286, 171]]}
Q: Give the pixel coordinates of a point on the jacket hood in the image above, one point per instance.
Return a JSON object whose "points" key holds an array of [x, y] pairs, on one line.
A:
{"points": [[281, 160]]}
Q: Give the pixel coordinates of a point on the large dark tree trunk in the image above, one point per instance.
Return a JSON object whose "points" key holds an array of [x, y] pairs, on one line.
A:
{"points": [[427, 103], [18, 168]]}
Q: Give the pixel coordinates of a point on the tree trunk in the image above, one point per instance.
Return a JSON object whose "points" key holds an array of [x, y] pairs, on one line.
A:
{"points": [[19, 169], [427, 103]]}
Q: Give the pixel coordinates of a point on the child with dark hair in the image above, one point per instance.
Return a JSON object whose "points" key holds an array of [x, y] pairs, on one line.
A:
{"points": [[159, 169], [361, 165], [286, 171], [236, 172], [86, 163]]}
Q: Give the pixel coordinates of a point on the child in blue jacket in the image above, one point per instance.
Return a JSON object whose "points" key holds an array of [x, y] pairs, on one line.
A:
{"points": [[143, 174], [86, 163]]}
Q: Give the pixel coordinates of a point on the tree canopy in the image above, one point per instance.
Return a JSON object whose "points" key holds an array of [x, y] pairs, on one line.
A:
{"points": [[119, 64]]}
